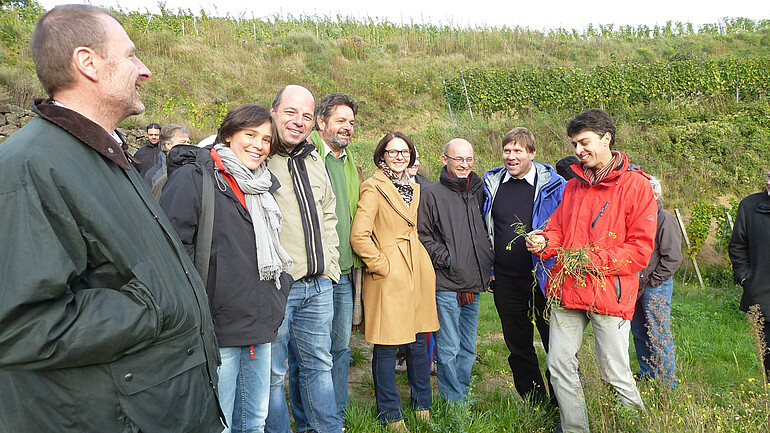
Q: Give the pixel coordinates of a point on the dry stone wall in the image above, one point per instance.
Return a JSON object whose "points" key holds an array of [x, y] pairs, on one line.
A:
{"points": [[13, 117]]}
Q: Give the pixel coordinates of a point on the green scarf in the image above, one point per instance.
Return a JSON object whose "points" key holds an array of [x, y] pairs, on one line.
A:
{"points": [[352, 183]]}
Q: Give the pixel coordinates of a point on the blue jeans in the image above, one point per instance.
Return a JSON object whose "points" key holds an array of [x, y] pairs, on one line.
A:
{"points": [[455, 345], [304, 338], [341, 327], [244, 387], [651, 328], [384, 375]]}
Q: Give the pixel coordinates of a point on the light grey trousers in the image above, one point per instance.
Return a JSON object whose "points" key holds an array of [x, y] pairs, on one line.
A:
{"points": [[611, 335]]}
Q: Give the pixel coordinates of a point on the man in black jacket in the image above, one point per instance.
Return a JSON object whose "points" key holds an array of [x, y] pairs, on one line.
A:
{"points": [[149, 154], [750, 253], [452, 229]]}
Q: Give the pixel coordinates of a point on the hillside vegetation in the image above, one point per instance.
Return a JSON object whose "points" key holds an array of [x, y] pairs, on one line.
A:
{"points": [[708, 142]]}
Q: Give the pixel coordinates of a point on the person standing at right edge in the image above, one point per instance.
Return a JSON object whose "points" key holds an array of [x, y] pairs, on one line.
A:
{"points": [[606, 223], [522, 192], [750, 253]]}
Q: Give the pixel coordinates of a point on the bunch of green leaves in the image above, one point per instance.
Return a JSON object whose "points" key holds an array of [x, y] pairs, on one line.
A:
{"points": [[699, 226]]}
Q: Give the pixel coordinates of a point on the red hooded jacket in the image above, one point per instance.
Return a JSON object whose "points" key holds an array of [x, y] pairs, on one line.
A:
{"points": [[616, 220]]}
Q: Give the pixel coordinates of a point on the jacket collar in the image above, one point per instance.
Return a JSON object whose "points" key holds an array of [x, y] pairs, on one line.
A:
{"points": [[764, 204], [391, 195], [299, 151], [458, 184], [622, 167], [84, 130]]}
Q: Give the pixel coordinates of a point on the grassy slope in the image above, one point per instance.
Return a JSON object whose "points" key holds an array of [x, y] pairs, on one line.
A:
{"points": [[711, 149]]}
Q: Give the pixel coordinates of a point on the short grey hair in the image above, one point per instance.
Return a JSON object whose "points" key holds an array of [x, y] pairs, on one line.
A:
{"points": [[656, 188], [169, 131]]}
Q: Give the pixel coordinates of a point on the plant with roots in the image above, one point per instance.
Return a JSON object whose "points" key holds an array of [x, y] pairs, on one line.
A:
{"points": [[576, 264], [521, 232]]}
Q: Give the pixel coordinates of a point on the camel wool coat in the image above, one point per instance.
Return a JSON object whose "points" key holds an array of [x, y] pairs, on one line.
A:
{"points": [[399, 293]]}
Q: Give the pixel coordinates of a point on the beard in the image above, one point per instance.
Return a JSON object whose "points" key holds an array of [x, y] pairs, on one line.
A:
{"points": [[337, 142]]}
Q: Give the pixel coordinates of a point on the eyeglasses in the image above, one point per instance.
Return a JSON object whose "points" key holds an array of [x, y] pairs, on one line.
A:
{"points": [[460, 159], [394, 153]]}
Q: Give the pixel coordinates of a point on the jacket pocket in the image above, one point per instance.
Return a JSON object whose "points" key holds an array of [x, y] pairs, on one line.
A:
{"points": [[617, 288], [158, 363]]}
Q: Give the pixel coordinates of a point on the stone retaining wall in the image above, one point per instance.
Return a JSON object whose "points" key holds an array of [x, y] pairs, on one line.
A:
{"points": [[13, 117]]}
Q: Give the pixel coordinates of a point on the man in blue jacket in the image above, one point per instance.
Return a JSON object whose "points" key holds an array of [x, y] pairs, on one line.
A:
{"points": [[530, 192]]}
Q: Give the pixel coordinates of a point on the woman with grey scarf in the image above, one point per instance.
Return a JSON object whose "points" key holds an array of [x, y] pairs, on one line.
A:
{"points": [[247, 285]]}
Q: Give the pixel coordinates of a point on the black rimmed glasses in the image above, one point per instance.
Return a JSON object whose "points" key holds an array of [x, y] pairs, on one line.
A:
{"points": [[459, 159], [405, 153]]}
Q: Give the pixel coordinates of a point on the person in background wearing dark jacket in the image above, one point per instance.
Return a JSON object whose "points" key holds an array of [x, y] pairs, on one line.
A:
{"points": [[522, 192], [335, 123], [171, 135], [452, 230], [105, 326], [563, 166], [147, 155], [416, 177], [607, 218], [246, 283], [651, 325], [749, 251]]}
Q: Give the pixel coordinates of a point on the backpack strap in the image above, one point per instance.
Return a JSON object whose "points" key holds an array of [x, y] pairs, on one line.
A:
{"points": [[205, 228]]}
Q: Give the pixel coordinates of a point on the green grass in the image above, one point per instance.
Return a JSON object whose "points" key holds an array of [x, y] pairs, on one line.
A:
{"points": [[720, 387]]}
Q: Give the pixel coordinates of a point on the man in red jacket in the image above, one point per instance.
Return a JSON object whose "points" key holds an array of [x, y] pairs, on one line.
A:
{"points": [[608, 218]]}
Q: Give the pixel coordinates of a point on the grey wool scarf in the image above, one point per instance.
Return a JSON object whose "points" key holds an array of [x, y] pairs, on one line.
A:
{"points": [[265, 215]]}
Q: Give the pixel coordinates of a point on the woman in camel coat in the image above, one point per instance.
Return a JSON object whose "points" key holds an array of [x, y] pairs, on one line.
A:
{"points": [[399, 293]]}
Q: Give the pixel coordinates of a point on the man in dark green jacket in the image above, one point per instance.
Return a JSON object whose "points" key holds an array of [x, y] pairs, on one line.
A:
{"points": [[103, 327]]}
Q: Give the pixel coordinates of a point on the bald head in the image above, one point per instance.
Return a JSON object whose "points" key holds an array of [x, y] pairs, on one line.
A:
{"points": [[458, 157], [293, 111], [457, 144]]}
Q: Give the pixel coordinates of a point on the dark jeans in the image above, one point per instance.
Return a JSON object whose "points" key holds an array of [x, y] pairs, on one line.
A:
{"points": [[384, 374], [514, 300]]}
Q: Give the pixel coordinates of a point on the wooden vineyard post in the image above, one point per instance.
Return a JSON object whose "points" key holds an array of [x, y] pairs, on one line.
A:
{"points": [[729, 221], [687, 244], [467, 99]]}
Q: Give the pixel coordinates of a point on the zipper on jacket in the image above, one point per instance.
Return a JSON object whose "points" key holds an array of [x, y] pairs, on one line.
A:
{"points": [[601, 212], [617, 288]]}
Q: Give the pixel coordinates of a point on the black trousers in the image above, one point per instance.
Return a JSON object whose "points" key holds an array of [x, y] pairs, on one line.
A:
{"points": [[517, 300]]}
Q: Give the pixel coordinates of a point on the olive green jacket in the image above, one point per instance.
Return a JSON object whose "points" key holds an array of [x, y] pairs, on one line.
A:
{"points": [[104, 322]]}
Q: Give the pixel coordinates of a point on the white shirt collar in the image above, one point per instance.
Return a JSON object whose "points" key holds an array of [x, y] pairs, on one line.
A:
{"points": [[328, 150], [529, 177]]}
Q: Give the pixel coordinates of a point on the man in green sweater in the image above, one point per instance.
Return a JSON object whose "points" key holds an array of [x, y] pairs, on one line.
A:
{"points": [[335, 119]]}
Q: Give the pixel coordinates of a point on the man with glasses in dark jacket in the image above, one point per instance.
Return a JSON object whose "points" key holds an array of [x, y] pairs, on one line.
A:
{"points": [[452, 230]]}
